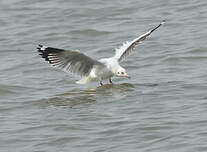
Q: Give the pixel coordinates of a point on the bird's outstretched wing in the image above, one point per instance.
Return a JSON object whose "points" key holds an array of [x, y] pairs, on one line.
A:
{"points": [[67, 60], [127, 47]]}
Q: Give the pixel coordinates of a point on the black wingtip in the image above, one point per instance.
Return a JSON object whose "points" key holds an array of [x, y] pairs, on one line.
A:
{"points": [[39, 47], [163, 22]]}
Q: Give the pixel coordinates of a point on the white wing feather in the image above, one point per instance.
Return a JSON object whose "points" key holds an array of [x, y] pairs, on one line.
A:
{"points": [[127, 47]]}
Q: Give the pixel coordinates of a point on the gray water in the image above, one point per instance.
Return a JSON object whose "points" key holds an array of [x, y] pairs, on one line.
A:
{"points": [[163, 107]]}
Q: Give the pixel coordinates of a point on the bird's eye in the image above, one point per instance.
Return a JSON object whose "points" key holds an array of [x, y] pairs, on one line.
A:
{"points": [[118, 72], [122, 72]]}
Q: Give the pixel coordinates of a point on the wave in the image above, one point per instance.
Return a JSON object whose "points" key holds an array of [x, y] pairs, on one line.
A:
{"points": [[89, 32]]}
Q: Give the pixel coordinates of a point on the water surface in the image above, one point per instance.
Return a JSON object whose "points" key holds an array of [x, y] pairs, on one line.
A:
{"points": [[161, 108]]}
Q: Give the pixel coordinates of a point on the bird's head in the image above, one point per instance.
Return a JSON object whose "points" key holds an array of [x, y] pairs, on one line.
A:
{"points": [[121, 72]]}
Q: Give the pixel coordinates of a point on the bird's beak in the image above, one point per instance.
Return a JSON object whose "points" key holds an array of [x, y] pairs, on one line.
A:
{"points": [[127, 76]]}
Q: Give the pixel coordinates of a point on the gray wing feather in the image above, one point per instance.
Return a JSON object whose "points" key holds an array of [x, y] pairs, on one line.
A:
{"points": [[67, 60]]}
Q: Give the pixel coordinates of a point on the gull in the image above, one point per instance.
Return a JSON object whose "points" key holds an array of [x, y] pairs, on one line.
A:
{"points": [[90, 69]]}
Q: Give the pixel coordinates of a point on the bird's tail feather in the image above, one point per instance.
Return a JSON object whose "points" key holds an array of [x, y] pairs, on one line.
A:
{"points": [[84, 80]]}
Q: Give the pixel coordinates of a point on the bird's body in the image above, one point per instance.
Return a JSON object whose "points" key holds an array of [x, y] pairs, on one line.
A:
{"points": [[98, 73], [90, 69]]}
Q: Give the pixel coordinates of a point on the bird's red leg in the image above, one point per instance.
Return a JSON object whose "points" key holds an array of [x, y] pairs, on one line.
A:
{"points": [[110, 81], [101, 83]]}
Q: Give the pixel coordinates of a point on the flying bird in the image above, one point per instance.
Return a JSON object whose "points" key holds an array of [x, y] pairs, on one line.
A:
{"points": [[90, 69]]}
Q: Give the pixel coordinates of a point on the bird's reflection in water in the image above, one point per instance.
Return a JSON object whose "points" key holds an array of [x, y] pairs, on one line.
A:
{"points": [[85, 97]]}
